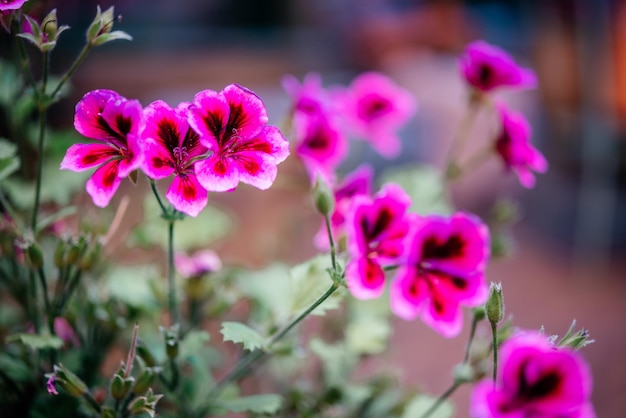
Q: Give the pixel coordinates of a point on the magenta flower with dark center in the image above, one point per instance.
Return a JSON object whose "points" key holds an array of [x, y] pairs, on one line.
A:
{"points": [[487, 67], [9, 5], [309, 97], [376, 108], [535, 379], [115, 122], [319, 143], [375, 231], [358, 182], [233, 125], [445, 260], [171, 147], [514, 147]]}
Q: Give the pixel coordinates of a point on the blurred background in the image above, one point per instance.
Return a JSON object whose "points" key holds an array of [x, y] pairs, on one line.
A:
{"points": [[569, 246]]}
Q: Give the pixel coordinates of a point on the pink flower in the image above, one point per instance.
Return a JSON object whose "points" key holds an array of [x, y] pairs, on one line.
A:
{"points": [[113, 120], [535, 379], [233, 124], [375, 109], [513, 145], [308, 97], [445, 260], [487, 67], [375, 230], [172, 147], [52, 390], [319, 144], [201, 262], [7, 5], [359, 182], [64, 331]]}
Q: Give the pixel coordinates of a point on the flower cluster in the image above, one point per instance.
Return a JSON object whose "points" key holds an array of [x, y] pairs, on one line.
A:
{"points": [[211, 144], [373, 108], [536, 379], [487, 68], [440, 260]]}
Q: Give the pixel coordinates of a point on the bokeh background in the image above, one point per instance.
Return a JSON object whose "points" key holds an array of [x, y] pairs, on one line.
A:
{"points": [[569, 245]]}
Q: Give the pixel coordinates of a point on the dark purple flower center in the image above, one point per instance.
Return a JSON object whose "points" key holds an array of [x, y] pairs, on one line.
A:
{"points": [[117, 133], [318, 140], [433, 249], [373, 228], [374, 107], [485, 75]]}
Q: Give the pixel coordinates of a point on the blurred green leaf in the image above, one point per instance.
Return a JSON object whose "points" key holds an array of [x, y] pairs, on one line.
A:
{"points": [[193, 342], [7, 149], [421, 403], [131, 285], [424, 184], [36, 342], [338, 361], [8, 166], [260, 404], [368, 335], [243, 334], [310, 280], [190, 233]]}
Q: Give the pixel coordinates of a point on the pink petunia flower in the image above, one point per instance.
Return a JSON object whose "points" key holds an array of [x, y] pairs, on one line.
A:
{"points": [[359, 182], [172, 147], [201, 262], [445, 261], [375, 109], [375, 231], [535, 379], [233, 124], [9, 5], [487, 67], [513, 145], [319, 143], [115, 121]]}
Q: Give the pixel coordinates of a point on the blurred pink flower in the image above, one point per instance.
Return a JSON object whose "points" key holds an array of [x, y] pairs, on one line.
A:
{"points": [[308, 97], [233, 124], [487, 67], [375, 231], [52, 390], [445, 261], [201, 262], [64, 331], [375, 108], [358, 182], [113, 120], [513, 145], [8, 5], [172, 147], [535, 379]]}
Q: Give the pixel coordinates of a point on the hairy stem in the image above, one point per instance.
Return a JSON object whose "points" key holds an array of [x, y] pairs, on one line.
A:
{"points": [[494, 332], [475, 320]]}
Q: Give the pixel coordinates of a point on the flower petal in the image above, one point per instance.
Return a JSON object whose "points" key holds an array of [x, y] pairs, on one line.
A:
{"points": [[409, 293], [187, 195], [365, 278], [157, 162], [256, 169], [81, 157], [104, 183], [248, 115], [217, 174], [208, 115]]}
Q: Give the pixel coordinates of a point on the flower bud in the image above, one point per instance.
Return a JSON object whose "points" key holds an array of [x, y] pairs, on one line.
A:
{"points": [[91, 257], [144, 381], [171, 347], [495, 304], [145, 404], [69, 382], [118, 387], [145, 355], [107, 412], [323, 197], [35, 256], [576, 340], [59, 254], [463, 373], [99, 32]]}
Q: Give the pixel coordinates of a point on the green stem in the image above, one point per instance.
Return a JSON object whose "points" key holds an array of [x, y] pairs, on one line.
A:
{"points": [[475, 320], [170, 273], [331, 241], [70, 72], [32, 301], [44, 289], [494, 332], [158, 196], [441, 399], [9, 208], [461, 136], [92, 402], [24, 57], [40, 150]]}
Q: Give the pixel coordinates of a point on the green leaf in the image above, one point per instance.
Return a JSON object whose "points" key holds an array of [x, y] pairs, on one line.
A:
{"points": [[421, 403], [241, 333], [131, 285], [310, 280], [368, 335], [424, 184], [191, 233], [193, 342], [337, 360], [8, 166], [7, 149], [260, 404], [36, 342]]}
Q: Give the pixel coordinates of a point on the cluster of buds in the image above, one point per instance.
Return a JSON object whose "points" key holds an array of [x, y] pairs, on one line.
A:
{"points": [[81, 253], [44, 36]]}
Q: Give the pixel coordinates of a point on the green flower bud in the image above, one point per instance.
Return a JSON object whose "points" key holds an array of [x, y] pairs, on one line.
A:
{"points": [[323, 197], [107, 412], [35, 256], [145, 355], [144, 381], [91, 257], [171, 348], [575, 340], [495, 304], [117, 387], [69, 382], [59, 254], [99, 32], [463, 373]]}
